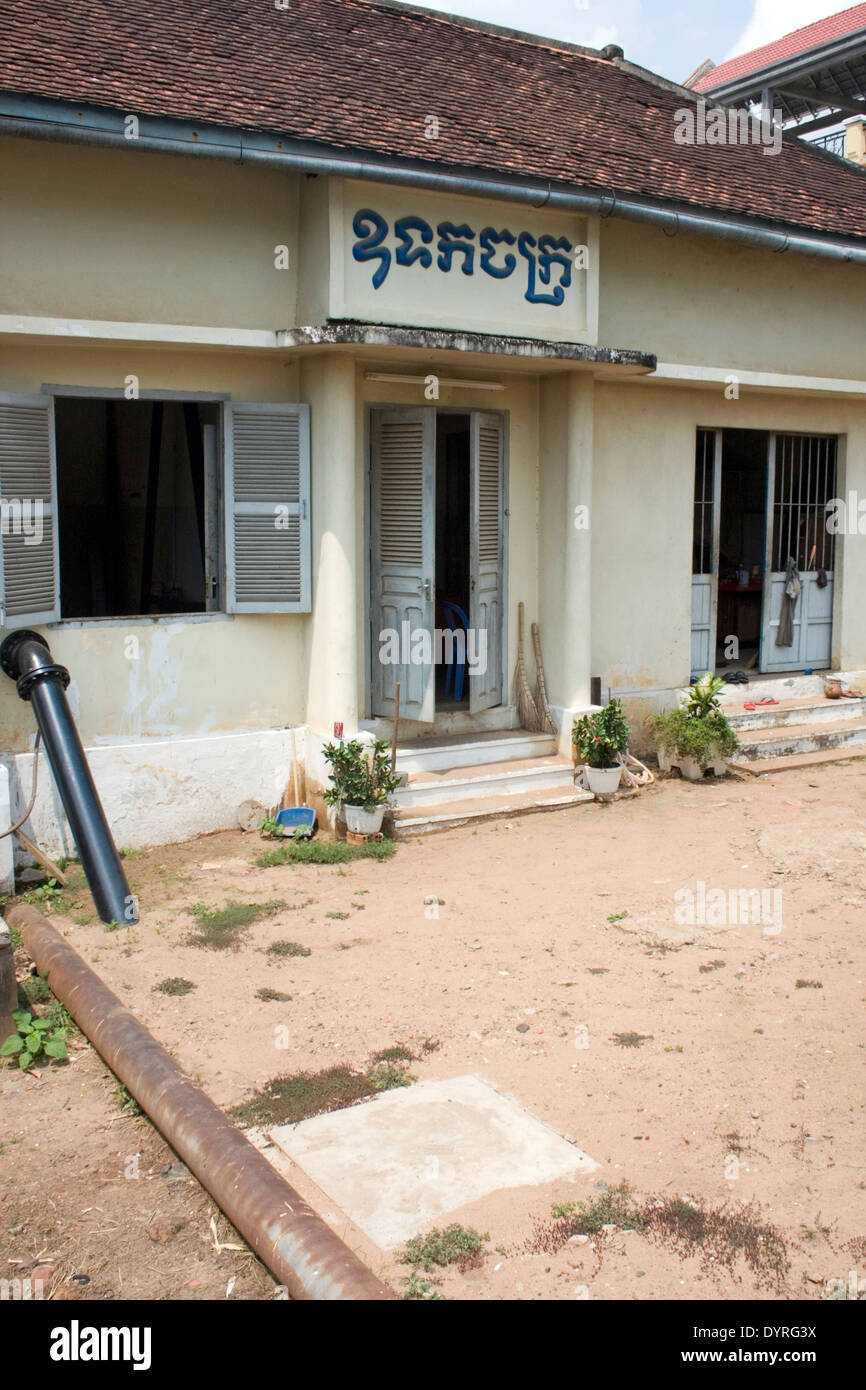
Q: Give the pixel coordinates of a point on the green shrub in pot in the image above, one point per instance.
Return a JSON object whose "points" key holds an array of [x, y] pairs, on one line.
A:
{"points": [[599, 737], [698, 728], [360, 774]]}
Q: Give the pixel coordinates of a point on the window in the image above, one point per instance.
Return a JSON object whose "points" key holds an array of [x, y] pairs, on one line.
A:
{"points": [[115, 508]]}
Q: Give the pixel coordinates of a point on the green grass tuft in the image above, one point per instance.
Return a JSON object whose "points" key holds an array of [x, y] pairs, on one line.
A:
{"points": [[460, 1245], [221, 929], [323, 852]]}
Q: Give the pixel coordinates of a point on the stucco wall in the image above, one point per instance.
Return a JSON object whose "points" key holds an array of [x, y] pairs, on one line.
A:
{"points": [[189, 677], [709, 302], [129, 235], [642, 522]]}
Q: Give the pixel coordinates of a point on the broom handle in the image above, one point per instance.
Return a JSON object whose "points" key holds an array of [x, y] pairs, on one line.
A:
{"points": [[295, 769], [396, 726]]}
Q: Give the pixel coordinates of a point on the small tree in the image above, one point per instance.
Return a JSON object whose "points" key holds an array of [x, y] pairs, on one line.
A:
{"points": [[360, 775], [599, 737]]}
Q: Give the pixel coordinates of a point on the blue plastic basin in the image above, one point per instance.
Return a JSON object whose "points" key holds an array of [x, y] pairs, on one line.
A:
{"points": [[302, 818]]}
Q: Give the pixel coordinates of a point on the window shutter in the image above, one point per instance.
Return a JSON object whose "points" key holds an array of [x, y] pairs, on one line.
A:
{"points": [[268, 508], [29, 558]]}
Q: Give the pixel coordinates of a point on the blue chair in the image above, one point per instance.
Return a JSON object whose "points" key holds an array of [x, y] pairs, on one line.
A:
{"points": [[457, 621]]}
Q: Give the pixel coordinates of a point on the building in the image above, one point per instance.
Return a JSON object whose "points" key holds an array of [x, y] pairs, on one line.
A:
{"points": [[813, 78], [317, 320]]}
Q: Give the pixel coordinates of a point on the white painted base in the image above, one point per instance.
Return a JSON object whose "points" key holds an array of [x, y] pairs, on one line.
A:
{"points": [[564, 717], [7, 871], [157, 792], [473, 752], [540, 775]]}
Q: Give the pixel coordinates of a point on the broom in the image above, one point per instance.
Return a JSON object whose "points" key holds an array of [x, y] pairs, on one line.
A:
{"points": [[527, 711], [546, 723]]}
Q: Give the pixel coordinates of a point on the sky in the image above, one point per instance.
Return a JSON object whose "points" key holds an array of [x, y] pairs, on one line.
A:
{"points": [[670, 37]]}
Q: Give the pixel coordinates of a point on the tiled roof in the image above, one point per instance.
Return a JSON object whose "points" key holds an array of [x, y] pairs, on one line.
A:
{"points": [[364, 76], [835, 26]]}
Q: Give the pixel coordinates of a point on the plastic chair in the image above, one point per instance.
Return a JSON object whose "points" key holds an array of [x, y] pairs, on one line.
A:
{"points": [[456, 673]]}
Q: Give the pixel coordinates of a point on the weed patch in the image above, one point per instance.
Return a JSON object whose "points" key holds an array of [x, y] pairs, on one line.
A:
{"points": [[283, 950], [288, 1099], [323, 852], [34, 989], [175, 986], [272, 996], [631, 1039], [455, 1245], [420, 1290], [221, 929], [719, 1235]]}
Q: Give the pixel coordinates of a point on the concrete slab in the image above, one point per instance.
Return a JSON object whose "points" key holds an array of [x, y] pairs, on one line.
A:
{"points": [[401, 1161]]}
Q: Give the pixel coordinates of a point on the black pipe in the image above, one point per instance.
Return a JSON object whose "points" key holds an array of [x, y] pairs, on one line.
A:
{"points": [[26, 659]]}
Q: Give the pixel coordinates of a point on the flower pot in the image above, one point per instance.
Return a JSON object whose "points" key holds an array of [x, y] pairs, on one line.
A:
{"points": [[691, 769], [364, 822], [603, 780]]}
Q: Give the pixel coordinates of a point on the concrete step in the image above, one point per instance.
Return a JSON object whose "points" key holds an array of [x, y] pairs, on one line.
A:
{"points": [[443, 754], [759, 767], [816, 710], [446, 815], [794, 739], [514, 777]]}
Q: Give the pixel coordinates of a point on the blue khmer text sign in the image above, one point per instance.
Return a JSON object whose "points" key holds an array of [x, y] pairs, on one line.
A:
{"points": [[547, 260]]}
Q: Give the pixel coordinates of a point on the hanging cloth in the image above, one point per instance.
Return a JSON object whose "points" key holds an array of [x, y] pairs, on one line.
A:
{"points": [[793, 589]]}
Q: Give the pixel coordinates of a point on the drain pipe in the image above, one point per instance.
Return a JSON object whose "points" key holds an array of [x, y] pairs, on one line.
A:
{"points": [[26, 659], [303, 1254]]}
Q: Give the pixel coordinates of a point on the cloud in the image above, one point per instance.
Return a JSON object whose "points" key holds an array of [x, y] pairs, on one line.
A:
{"points": [[773, 18]]}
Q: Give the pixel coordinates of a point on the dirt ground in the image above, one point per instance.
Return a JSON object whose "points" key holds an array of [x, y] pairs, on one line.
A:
{"points": [[712, 1061]]}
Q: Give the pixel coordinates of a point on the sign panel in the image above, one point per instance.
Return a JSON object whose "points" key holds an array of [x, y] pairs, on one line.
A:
{"points": [[405, 256]]}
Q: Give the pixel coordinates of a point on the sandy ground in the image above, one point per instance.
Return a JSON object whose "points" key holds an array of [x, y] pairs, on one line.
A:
{"points": [[552, 934]]}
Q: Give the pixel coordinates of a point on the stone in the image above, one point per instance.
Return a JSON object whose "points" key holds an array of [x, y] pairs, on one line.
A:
{"points": [[406, 1158]]}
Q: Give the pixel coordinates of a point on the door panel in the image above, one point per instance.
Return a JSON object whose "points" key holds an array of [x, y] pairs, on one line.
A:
{"points": [[801, 480], [403, 464], [705, 553], [487, 480], [703, 636]]}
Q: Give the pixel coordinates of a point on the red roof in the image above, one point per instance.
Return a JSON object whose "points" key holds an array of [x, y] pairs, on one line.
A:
{"points": [[359, 76], [835, 26]]}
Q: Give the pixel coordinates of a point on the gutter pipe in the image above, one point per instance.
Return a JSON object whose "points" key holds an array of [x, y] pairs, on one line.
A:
{"points": [[303, 1254], [254, 147], [26, 659]]}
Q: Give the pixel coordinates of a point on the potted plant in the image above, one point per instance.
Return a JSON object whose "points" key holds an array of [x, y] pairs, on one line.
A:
{"points": [[361, 782], [696, 735], [597, 739]]}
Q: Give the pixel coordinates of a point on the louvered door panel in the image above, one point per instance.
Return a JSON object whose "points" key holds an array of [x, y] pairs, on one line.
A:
{"points": [[267, 508], [402, 561], [486, 582], [28, 545]]}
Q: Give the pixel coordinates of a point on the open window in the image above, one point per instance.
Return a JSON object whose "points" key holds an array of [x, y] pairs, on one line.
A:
{"points": [[121, 508]]}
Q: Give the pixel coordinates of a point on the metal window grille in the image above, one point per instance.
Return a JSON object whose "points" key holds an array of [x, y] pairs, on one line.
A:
{"points": [[805, 483], [705, 464]]}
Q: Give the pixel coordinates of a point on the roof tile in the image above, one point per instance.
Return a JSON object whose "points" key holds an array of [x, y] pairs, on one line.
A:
{"points": [[362, 76]]}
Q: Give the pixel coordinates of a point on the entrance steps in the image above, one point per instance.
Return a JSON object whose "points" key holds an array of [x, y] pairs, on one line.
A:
{"points": [[456, 781], [797, 732]]}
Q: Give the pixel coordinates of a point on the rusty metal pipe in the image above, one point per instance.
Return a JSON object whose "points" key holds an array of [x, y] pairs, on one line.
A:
{"points": [[303, 1254]]}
